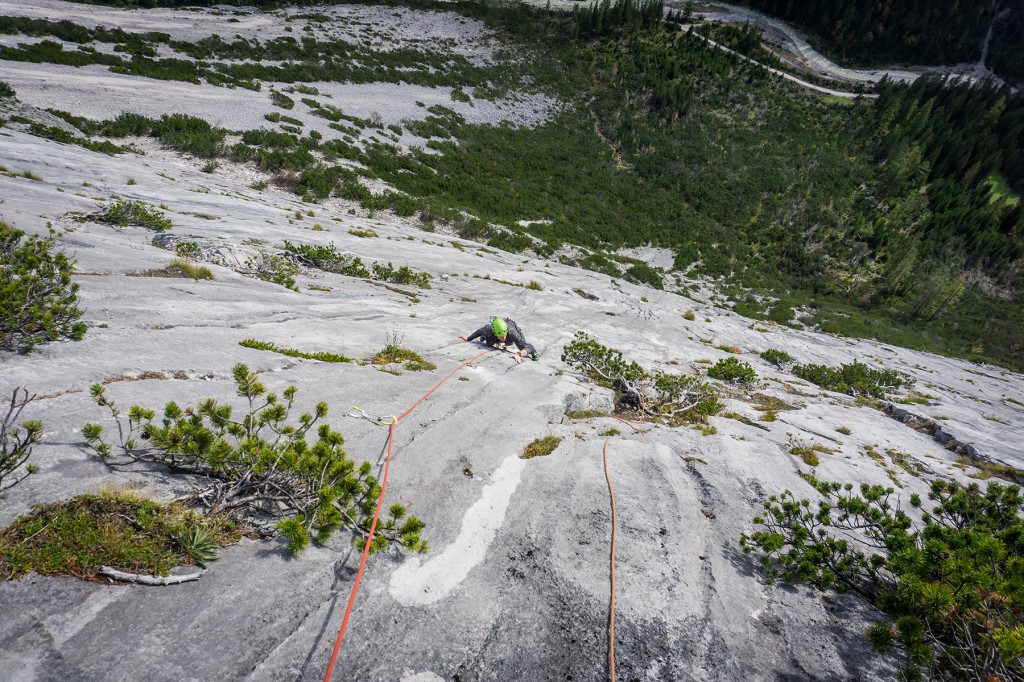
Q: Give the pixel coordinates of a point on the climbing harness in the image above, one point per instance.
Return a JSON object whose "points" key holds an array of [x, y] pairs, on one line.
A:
{"points": [[611, 606], [380, 499]]}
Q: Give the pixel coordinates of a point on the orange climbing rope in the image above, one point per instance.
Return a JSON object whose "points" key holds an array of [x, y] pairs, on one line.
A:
{"points": [[611, 607], [376, 514]]}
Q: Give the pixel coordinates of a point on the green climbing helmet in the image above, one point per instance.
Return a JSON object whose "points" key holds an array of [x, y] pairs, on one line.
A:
{"points": [[499, 327]]}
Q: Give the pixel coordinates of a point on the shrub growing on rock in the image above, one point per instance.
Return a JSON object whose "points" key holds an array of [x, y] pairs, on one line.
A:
{"points": [[733, 370], [666, 397], [124, 213], [270, 267], [276, 474], [328, 259], [779, 358], [855, 378], [16, 444], [38, 300], [950, 586]]}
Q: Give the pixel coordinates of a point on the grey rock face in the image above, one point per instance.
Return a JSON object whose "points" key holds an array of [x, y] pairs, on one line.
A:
{"points": [[516, 585]]}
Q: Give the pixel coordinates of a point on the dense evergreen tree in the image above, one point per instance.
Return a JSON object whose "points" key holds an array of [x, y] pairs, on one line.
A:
{"points": [[911, 31]]}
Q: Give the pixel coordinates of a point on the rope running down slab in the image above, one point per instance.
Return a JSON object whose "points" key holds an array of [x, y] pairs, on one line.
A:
{"points": [[380, 502], [611, 606]]}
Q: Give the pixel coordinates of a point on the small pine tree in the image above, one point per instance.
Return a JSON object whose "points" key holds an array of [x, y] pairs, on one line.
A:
{"points": [[38, 300], [952, 585], [16, 447], [260, 466]]}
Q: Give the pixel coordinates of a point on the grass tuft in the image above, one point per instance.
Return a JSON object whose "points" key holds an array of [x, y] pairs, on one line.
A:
{"points": [[116, 528], [541, 447], [291, 352]]}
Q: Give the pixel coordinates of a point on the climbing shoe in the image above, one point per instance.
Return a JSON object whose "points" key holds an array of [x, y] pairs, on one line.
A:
{"points": [[535, 356]]}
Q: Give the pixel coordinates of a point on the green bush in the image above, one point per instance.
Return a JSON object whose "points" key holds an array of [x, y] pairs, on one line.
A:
{"points": [[38, 300], [402, 275], [328, 259], [6, 90], [855, 378], [273, 268], [61, 135], [778, 358], [260, 466], [124, 213], [950, 586], [188, 249], [641, 273], [16, 447], [733, 369], [281, 100], [669, 398]]}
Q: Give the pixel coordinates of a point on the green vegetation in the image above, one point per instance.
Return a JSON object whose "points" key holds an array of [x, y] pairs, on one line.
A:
{"points": [[16, 444], [854, 378], [270, 267], [669, 398], [260, 467], [541, 447], [401, 275], [6, 90], [61, 135], [187, 249], [116, 528], [329, 259], [987, 470], [124, 213], [38, 300], [282, 100], [733, 370], [238, 63], [809, 452], [865, 217], [196, 272], [393, 353], [950, 586], [779, 358], [909, 31], [322, 356]]}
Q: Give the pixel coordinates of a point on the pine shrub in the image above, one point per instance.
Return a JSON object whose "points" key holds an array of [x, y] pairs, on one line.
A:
{"points": [[38, 300], [670, 398], [16, 444], [854, 378], [949, 586], [124, 213], [779, 358], [281, 476], [733, 370]]}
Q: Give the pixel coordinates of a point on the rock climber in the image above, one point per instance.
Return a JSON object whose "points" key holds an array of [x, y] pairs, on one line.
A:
{"points": [[504, 331]]}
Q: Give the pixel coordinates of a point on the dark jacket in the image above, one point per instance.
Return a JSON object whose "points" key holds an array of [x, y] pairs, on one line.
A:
{"points": [[514, 336]]}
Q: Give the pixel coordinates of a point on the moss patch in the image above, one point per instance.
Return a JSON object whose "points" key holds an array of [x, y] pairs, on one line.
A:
{"points": [[541, 447], [120, 529]]}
